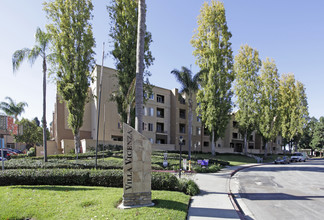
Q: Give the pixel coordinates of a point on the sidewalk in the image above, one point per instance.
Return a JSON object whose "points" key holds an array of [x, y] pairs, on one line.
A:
{"points": [[213, 201]]}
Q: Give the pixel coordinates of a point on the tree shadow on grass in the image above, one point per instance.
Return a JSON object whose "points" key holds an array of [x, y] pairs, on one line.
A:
{"points": [[167, 204], [57, 188]]}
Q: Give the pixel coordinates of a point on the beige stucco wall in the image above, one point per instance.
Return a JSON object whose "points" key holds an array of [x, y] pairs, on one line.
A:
{"points": [[51, 149], [67, 145], [88, 144]]}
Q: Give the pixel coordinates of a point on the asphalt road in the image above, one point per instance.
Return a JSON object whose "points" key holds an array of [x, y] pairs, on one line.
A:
{"points": [[287, 191]]}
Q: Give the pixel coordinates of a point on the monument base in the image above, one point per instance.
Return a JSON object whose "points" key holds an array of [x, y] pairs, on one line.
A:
{"points": [[134, 200], [122, 206]]}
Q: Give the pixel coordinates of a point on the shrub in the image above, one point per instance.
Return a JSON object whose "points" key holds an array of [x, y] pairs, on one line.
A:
{"points": [[31, 152], [108, 178], [189, 187], [164, 181], [210, 169], [27, 163]]}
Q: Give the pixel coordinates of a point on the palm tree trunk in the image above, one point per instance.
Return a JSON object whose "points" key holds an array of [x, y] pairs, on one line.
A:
{"points": [[190, 127], [44, 110], [140, 66]]}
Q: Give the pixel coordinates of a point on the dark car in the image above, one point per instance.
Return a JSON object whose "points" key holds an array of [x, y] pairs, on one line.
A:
{"points": [[6, 154]]}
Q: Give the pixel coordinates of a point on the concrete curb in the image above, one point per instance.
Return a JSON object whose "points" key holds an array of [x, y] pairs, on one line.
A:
{"points": [[232, 197]]}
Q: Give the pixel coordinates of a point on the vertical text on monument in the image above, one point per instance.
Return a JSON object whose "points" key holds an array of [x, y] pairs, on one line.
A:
{"points": [[137, 169]]}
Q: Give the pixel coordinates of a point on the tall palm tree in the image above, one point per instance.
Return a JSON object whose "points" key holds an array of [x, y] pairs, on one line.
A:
{"points": [[189, 86], [140, 66], [11, 108], [42, 41]]}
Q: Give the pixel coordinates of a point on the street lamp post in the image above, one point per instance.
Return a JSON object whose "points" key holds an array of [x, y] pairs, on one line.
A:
{"points": [[180, 143]]}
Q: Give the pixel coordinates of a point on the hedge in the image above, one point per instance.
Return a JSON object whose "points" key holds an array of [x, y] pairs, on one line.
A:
{"points": [[107, 178]]}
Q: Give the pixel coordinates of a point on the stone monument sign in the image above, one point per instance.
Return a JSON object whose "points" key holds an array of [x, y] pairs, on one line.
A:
{"points": [[137, 151]]}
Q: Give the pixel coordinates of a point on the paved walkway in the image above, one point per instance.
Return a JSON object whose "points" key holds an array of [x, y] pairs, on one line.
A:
{"points": [[213, 201]]}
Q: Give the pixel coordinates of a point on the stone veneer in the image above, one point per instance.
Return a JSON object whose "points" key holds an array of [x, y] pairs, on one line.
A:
{"points": [[137, 151]]}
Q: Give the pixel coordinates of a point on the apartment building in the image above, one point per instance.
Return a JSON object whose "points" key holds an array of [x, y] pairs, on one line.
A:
{"points": [[8, 128], [165, 119]]}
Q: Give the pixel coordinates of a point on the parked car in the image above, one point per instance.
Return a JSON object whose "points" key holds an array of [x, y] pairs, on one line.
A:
{"points": [[298, 157], [282, 160], [15, 150], [6, 154]]}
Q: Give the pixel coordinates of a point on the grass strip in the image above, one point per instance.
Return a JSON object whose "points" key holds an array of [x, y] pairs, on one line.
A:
{"points": [[82, 202]]}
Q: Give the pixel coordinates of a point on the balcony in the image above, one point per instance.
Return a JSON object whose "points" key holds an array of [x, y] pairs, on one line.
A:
{"points": [[160, 112]]}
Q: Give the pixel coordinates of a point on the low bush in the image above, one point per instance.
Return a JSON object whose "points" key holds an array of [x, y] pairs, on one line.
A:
{"points": [[31, 152], [164, 181], [108, 178], [209, 169], [26, 163], [189, 187]]}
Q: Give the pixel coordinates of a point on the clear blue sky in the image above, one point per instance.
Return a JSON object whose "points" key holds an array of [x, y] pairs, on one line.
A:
{"points": [[290, 31]]}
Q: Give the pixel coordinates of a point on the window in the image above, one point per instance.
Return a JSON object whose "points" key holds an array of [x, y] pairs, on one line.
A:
{"points": [[219, 145], [143, 126], [116, 138], [251, 146], [206, 144], [206, 132], [151, 140], [198, 118], [235, 135], [160, 98], [145, 111], [150, 127], [251, 138], [182, 100], [151, 97], [182, 113], [160, 127], [119, 125], [231, 145], [182, 128], [234, 124], [160, 141], [198, 129], [160, 112], [150, 111]]}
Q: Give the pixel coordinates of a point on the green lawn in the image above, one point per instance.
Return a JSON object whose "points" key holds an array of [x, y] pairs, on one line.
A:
{"points": [[80, 202], [235, 160]]}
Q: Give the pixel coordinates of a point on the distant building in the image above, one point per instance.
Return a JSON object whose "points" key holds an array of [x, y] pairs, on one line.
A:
{"points": [[8, 128], [165, 119]]}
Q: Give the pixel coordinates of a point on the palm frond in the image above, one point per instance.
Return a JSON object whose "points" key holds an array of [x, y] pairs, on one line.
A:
{"points": [[34, 53], [18, 57]]}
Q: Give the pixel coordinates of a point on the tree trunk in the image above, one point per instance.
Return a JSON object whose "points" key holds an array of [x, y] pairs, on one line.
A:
{"points": [[213, 142], [77, 143], [140, 66], [44, 110], [266, 149], [245, 143], [296, 147], [190, 127]]}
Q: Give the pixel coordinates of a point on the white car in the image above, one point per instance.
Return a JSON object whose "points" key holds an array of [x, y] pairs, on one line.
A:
{"points": [[298, 157]]}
